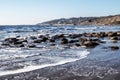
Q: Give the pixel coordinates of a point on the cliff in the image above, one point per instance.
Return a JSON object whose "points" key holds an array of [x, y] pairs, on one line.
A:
{"points": [[105, 20]]}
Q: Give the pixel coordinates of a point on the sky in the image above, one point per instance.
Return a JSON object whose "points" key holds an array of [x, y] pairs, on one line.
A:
{"points": [[27, 12]]}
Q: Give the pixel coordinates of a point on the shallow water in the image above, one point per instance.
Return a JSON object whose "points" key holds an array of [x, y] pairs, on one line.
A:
{"points": [[17, 60]]}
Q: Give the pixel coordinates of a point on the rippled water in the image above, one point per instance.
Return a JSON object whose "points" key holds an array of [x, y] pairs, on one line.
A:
{"points": [[17, 60]]}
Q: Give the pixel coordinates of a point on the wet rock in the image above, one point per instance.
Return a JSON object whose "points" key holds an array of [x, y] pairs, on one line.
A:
{"points": [[11, 40], [112, 34], [114, 47], [21, 45], [114, 41], [77, 45], [33, 37], [118, 33], [37, 41], [31, 46], [90, 44], [18, 42], [58, 36], [44, 39], [73, 41], [114, 38], [64, 41], [5, 44], [81, 40], [75, 35], [102, 42], [51, 40]]}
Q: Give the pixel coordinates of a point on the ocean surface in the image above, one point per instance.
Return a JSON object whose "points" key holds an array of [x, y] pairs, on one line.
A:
{"points": [[17, 60]]}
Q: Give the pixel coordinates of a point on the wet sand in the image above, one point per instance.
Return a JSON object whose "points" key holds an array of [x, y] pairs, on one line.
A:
{"points": [[101, 64]]}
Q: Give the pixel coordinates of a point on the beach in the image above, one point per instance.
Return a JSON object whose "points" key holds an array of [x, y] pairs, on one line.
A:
{"points": [[67, 53]]}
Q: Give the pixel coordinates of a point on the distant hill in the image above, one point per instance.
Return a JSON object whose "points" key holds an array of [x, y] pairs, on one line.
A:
{"points": [[104, 20]]}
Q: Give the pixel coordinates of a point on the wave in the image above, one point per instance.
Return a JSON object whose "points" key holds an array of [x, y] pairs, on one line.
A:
{"points": [[81, 54]]}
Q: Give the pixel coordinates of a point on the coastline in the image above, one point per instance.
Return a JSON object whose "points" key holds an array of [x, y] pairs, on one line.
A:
{"points": [[101, 64], [97, 66]]}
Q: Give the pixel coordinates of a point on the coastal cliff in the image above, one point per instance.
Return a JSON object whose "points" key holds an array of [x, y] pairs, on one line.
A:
{"points": [[103, 20]]}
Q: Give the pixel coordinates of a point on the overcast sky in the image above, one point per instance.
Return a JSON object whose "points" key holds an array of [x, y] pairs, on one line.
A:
{"points": [[17, 12]]}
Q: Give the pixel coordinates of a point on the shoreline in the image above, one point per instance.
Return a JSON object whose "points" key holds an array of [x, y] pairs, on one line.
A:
{"points": [[100, 64], [96, 67]]}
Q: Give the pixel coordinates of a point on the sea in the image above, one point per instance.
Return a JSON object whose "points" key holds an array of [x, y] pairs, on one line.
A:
{"points": [[15, 60]]}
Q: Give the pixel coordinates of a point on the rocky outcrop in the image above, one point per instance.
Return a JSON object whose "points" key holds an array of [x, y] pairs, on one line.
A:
{"points": [[88, 40], [105, 20]]}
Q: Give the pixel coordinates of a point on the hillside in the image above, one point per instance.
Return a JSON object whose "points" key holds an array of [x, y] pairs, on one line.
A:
{"points": [[104, 20]]}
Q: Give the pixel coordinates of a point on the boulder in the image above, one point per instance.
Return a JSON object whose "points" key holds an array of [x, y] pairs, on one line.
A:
{"points": [[64, 41], [114, 38], [75, 35], [31, 46], [90, 44], [77, 45], [112, 34], [11, 40], [114, 47]]}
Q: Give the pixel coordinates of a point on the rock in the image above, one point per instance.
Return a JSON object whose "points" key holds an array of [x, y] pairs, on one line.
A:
{"points": [[77, 45], [118, 33], [11, 40], [44, 39], [102, 42], [37, 41], [31, 46], [81, 40], [73, 41], [33, 37], [58, 36], [114, 47], [75, 35], [90, 44], [51, 40], [5, 44], [18, 42], [114, 41], [64, 41], [21, 45], [114, 38], [112, 34]]}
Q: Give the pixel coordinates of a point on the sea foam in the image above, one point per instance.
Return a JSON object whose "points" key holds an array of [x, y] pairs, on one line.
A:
{"points": [[82, 55]]}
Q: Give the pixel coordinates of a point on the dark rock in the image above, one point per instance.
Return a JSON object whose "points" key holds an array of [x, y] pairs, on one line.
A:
{"points": [[37, 41], [51, 40], [90, 44], [64, 41], [114, 47], [21, 45], [112, 34], [73, 41], [5, 44], [33, 37], [58, 36], [78, 45], [44, 39], [102, 42], [41, 36], [75, 35], [118, 33], [11, 40], [81, 40], [31, 46], [114, 38]]}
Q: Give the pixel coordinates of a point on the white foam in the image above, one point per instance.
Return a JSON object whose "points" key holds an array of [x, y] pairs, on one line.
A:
{"points": [[82, 55]]}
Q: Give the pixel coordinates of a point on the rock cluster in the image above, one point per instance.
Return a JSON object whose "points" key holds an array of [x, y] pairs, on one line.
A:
{"points": [[88, 40]]}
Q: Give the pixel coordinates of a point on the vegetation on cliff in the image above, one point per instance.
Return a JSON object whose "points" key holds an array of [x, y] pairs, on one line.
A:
{"points": [[104, 20]]}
